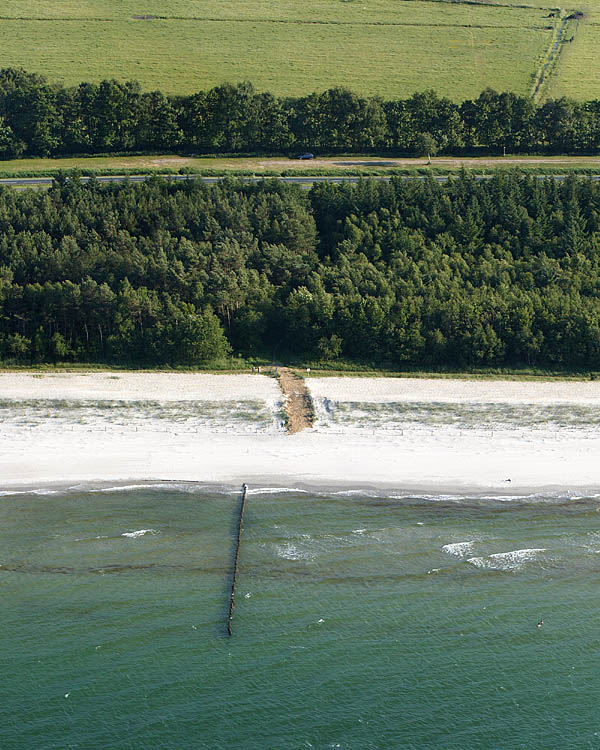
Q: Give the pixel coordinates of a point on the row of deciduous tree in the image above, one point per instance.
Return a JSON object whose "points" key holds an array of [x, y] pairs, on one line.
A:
{"points": [[41, 118], [499, 272]]}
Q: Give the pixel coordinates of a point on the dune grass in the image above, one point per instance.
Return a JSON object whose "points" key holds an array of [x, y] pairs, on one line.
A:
{"points": [[385, 47]]}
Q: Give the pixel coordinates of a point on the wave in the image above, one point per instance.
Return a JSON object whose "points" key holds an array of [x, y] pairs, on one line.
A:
{"points": [[273, 490], [191, 487], [290, 551], [412, 496], [361, 493], [408, 497], [460, 549], [513, 560], [140, 532], [41, 491], [468, 497], [130, 487], [91, 538], [553, 497]]}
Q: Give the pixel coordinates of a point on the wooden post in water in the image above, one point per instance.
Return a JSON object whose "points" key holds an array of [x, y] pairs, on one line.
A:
{"points": [[237, 555]]}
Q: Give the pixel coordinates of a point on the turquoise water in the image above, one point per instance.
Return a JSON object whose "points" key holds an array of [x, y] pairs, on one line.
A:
{"points": [[357, 623]]}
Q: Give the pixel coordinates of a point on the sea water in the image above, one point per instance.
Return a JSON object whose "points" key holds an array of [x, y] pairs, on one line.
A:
{"points": [[362, 620]]}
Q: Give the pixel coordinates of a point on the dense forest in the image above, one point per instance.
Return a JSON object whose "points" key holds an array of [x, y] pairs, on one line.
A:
{"points": [[38, 118], [504, 271]]}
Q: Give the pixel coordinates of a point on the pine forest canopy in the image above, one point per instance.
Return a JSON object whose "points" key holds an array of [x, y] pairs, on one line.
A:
{"points": [[500, 272]]}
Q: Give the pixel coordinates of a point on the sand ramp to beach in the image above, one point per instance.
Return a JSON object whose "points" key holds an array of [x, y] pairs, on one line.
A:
{"points": [[297, 400]]}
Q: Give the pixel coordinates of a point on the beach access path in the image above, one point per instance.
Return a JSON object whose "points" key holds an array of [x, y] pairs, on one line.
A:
{"points": [[297, 400]]}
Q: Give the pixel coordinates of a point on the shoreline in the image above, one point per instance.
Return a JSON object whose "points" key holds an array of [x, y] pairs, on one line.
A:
{"points": [[272, 485], [44, 447]]}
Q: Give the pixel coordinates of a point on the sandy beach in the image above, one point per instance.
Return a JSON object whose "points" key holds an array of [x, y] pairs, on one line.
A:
{"points": [[439, 436]]}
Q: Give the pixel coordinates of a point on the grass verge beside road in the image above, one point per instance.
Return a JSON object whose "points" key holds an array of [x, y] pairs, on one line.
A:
{"points": [[281, 166]]}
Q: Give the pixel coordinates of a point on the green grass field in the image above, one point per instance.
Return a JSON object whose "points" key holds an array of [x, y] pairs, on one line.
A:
{"points": [[385, 47], [316, 11], [577, 74]]}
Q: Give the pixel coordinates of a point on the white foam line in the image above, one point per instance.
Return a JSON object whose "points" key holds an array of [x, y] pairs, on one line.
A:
{"points": [[128, 487], [273, 490], [8, 493]]}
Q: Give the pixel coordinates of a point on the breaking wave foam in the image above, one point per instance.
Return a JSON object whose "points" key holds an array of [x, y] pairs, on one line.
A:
{"points": [[513, 560], [459, 549], [273, 490], [129, 487], [291, 551], [8, 493]]}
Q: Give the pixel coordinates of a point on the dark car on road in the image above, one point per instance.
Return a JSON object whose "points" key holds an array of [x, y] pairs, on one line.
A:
{"points": [[307, 155]]}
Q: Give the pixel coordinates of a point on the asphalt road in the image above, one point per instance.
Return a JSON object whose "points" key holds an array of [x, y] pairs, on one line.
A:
{"points": [[45, 182]]}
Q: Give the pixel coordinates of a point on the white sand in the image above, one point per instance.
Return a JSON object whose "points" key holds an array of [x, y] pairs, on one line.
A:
{"points": [[388, 390], [137, 386], [424, 457]]}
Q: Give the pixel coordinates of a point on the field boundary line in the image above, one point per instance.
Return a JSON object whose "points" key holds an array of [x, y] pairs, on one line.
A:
{"points": [[299, 22], [61, 19], [479, 3], [303, 22]]}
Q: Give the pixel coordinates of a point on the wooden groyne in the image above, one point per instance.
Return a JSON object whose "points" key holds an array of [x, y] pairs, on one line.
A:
{"points": [[237, 557], [298, 402]]}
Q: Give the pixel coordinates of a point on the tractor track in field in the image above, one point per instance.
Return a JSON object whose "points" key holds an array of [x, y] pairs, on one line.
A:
{"points": [[550, 60], [284, 21]]}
